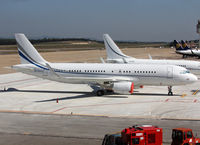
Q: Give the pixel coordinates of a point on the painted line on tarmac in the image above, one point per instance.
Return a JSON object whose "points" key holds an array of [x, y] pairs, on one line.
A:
{"points": [[101, 105], [23, 111], [94, 105], [50, 113], [195, 92], [167, 100], [183, 95], [195, 100], [93, 115], [59, 109]]}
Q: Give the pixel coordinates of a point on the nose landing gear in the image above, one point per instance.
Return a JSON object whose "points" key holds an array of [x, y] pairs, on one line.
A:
{"points": [[170, 93]]}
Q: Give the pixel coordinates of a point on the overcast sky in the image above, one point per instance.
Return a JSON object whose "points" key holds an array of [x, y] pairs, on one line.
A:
{"points": [[141, 20]]}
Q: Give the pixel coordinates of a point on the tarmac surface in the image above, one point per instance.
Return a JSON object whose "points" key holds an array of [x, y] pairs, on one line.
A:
{"points": [[37, 111], [40, 129], [24, 93]]}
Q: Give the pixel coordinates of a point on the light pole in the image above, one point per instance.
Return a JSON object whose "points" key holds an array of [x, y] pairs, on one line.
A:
{"points": [[198, 31]]}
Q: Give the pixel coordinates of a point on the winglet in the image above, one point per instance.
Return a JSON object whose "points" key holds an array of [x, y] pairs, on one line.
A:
{"points": [[150, 57], [102, 60], [124, 60]]}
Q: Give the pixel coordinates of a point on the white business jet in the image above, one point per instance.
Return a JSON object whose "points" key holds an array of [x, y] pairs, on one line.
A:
{"points": [[100, 76], [115, 55]]}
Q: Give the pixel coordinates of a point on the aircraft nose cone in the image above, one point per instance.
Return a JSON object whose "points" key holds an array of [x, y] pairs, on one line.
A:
{"points": [[195, 78], [192, 78]]}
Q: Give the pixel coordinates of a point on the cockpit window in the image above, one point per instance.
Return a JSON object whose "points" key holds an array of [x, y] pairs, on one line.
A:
{"points": [[185, 72]]}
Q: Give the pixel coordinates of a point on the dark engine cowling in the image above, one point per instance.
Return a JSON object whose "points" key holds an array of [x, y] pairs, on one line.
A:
{"points": [[123, 87]]}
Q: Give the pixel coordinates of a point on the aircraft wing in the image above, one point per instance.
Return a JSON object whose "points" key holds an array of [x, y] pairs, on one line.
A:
{"points": [[101, 80]]}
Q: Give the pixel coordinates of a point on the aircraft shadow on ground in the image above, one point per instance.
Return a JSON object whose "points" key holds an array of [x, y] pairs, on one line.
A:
{"points": [[82, 94], [87, 95]]}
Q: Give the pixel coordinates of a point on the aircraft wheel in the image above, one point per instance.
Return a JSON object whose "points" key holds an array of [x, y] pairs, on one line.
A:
{"points": [[100, 92], [170, 94]]}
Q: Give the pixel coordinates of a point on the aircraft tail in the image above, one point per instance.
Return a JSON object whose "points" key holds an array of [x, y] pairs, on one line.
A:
{"points": [[28, 53], [184, 45], [113, 51], [177, 45]]}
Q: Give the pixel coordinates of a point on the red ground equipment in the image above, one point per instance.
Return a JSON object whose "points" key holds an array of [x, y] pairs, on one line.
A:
{"points": [[136, 135], [184, 136], [142, 135]]}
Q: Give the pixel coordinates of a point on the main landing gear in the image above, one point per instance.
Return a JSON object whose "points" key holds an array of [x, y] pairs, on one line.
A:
{"points": [[100, 92], [170, 93], [184, 56], [103, 92]]}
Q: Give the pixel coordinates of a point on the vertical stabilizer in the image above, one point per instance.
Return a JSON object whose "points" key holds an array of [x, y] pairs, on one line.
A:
{"points": [[177, 45], [113, 51], [184, 45], [28, 54]]}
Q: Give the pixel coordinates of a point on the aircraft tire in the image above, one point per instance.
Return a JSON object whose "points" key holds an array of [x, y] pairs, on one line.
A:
{"points": [[100, 92], [170, 94]]}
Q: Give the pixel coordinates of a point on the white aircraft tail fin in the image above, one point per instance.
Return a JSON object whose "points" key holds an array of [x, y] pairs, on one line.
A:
{"points": [[102, 60], [28, 53], [150, 57], [113, 51]]}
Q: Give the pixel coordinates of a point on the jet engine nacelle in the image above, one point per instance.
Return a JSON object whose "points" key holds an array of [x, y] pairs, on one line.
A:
{"points": [[123, 87]]}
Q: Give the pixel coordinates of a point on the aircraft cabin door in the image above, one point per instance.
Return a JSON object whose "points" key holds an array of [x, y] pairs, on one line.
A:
{"points": [[169, 72]]}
